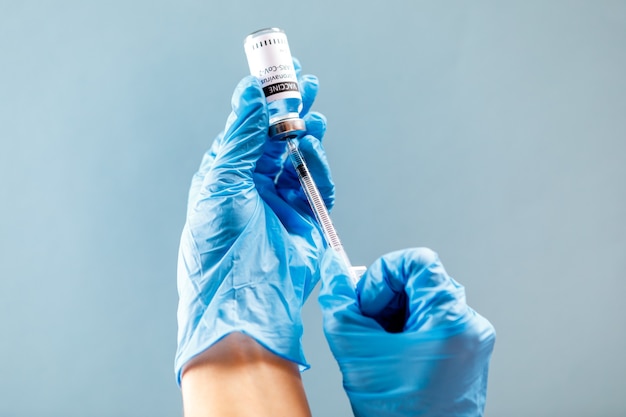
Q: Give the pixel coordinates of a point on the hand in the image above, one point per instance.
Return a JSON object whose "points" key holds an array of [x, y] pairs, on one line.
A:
{"points": [[405, 339], [250, 246]]}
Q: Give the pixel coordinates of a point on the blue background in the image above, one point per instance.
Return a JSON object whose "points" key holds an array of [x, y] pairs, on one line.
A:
{"points": [[492, 132]]}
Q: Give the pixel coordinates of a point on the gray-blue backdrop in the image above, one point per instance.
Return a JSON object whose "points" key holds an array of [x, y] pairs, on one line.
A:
{"points": [[492, 132]]}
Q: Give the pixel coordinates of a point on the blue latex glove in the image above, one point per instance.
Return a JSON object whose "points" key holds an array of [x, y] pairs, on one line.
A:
{"points": [[250, 248], [406, 341]]}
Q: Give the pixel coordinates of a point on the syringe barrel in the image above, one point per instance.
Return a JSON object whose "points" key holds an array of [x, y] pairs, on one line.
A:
{"points": [[318, 206]]}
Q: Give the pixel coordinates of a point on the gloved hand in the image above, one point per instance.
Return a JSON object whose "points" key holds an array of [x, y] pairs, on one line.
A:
{"points": [[250, 248], [406, 341]]}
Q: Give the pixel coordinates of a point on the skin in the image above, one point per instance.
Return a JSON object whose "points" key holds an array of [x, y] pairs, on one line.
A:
{"points": [[239, 377]]}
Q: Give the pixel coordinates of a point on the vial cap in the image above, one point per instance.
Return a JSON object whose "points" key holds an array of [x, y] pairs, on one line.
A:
{"points": [[287, 129]]}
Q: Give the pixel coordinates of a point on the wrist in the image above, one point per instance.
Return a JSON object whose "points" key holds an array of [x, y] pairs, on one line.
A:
{"points": [[239, 377]]}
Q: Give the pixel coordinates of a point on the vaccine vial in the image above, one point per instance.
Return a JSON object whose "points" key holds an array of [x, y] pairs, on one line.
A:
{"points": [[269, 59]]}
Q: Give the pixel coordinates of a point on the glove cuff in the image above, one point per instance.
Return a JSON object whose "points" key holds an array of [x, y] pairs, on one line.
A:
{"points": [[253, 294], [225, 316]]}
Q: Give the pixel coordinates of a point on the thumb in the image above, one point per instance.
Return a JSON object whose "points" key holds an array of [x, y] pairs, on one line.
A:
{"points": [[349, 333], [243, 141], [337, 293], [338, 300]]}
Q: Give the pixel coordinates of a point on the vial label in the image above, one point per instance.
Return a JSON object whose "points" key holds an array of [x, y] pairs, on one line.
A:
{"points": [[269, 59]]}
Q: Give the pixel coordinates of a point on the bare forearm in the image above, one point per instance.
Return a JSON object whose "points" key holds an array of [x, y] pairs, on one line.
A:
{"points": [[239, 377]]}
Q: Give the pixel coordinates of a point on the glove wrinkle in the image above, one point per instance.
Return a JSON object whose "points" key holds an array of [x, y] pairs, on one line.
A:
{"points": [[249, 255], [438, 365]]}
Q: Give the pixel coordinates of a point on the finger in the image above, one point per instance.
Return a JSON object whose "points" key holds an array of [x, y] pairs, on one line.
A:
{"points": [[242, 145], [381, 292], [297, 66], [410, 290], [317, 162], [435, 299], [309, 86], [272, 161], [337, 291], [315, 124], [348, 332], [296, 220], [337, 295]]}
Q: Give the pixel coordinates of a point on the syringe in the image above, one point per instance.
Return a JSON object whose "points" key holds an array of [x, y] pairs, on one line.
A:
{"points": [[319, 208]]}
